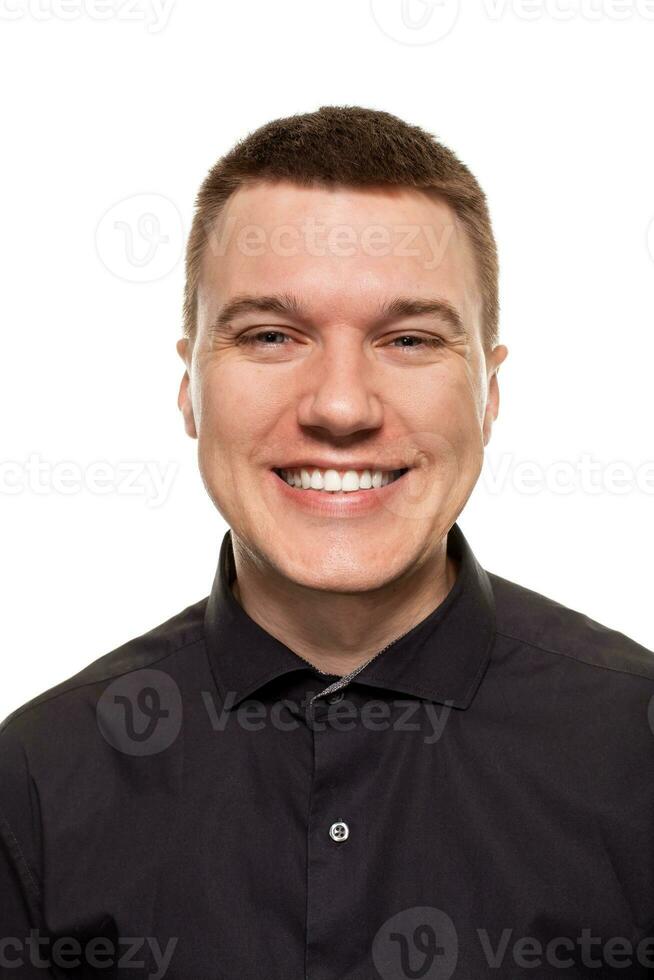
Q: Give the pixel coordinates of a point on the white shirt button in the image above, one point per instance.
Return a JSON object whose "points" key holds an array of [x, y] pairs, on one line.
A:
{"points": [[339, 831]]}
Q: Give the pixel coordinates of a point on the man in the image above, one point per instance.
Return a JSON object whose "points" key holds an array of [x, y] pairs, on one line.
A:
{"points": [[362, 755]]}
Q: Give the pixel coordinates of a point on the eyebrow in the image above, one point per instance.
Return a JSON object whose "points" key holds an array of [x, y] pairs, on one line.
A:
{"points": [[286, 304]]}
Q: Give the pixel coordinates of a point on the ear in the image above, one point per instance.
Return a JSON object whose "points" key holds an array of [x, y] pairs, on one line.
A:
{"points": [[493, 361], [184, 402]]}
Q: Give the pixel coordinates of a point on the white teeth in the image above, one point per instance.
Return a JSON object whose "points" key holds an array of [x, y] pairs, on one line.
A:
{"points": [[331, 481], [350, 480]]}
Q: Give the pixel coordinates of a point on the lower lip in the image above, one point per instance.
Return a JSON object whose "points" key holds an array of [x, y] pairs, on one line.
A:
{"points": [[338, 503]]}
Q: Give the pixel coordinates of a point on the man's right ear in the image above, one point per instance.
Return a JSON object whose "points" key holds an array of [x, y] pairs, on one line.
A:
{"points": [[184, 402]]}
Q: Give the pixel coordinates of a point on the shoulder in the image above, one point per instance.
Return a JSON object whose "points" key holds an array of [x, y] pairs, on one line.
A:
{"points": [[57, 746], [63, 703], [537, 624]]}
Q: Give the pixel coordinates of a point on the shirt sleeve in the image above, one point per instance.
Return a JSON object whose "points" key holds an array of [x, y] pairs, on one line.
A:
{"points": [[21, 916], [16, 911]]}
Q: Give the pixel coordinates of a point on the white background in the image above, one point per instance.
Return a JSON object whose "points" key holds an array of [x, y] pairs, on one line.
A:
{"points": [[548, 103]]}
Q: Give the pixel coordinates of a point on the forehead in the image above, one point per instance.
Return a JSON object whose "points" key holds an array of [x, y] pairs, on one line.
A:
{"points": [[341, 249]]}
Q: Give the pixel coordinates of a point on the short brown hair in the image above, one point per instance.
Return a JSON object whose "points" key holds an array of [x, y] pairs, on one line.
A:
{"points": [[349, 146]]}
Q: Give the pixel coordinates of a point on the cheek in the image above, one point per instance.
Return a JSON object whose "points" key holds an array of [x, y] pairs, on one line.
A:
{"points": [[237, 409], [442, 415], [463, 428], [445, 401]]}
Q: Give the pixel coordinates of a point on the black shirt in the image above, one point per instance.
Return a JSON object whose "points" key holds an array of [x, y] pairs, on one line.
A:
{"points": [[477, 800]]}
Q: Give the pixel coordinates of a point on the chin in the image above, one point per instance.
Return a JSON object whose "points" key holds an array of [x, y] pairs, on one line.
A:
{"points": [[340, 573], [345, 584]]}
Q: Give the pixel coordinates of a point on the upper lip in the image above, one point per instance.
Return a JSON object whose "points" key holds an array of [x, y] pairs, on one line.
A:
{"points": [[325, 464]]}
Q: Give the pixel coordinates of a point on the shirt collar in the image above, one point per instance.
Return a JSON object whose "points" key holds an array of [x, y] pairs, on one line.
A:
{"points": [[442, 658]]}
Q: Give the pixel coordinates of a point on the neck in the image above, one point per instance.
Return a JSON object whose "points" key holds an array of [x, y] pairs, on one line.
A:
{"points": [[336, 632]]}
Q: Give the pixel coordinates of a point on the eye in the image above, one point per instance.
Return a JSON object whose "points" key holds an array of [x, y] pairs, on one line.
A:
{"points": [[252, 339], [423, 341], [277, 338]]}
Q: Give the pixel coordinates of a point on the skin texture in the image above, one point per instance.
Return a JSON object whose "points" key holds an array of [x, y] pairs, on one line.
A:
{"points": [[339, 383]]}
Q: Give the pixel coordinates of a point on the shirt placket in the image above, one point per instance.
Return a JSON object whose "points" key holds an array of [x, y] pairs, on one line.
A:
{"points": [[336, 838], [331, 857]]}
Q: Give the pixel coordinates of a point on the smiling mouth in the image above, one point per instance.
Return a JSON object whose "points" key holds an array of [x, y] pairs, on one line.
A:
{"points": [[333, 481]]}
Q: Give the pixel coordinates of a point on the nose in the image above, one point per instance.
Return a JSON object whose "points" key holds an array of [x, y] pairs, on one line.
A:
{"points": [[340, 394]]}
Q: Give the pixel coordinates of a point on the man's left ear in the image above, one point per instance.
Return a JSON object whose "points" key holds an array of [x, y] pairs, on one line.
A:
{"points": [[184, 401], [493, 361]]}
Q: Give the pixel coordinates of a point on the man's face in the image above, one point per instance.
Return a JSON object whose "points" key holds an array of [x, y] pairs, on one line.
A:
{"points": [[327, 382]]}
